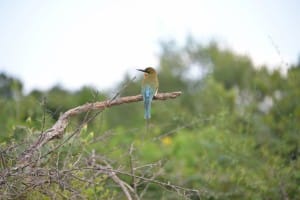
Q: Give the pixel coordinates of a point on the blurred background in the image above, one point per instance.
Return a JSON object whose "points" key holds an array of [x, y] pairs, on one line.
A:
{"points": [[232, 134], [76, 43]]}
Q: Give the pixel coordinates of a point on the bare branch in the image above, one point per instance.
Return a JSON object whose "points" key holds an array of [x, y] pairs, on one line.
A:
{"points": [[114, 172], [123, 185], [57, 130]]}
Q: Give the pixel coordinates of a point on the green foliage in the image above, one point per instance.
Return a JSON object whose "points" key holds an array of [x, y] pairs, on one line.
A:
{"points": [[10, 88], [233, 134]]}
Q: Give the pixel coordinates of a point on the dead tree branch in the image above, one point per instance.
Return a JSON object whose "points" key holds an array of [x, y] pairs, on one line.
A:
{"points": [[57, 130]]}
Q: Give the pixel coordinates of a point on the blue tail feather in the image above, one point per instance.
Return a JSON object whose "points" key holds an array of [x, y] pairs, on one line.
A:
{"points": [[148, 94], [147, 106]]}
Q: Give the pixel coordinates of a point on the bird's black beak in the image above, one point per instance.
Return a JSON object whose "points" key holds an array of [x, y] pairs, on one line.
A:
{"points": [[142, 70]]}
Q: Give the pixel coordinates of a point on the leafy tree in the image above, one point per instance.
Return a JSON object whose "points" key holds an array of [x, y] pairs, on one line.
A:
{"points": [[233, 134]]}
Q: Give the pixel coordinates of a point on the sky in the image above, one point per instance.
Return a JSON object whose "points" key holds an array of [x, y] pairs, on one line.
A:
{"points": [[95, 42]]}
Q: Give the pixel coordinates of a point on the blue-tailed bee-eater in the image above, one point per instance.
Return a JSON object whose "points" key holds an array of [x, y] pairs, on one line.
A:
{"points": [[149, 89]]}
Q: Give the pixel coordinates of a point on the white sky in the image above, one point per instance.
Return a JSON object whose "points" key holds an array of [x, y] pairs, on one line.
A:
{"points": [[76, 43]]}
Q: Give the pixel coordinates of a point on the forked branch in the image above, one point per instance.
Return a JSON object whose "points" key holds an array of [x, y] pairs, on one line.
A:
{"points": [[57, 130]]}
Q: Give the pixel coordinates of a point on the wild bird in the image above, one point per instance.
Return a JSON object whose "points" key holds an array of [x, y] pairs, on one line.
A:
{"points": [[149, 89]]}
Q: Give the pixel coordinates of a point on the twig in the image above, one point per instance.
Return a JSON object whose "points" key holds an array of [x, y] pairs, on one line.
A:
{"points": [[278, 51], [131, 165], [148, 183], [44, 113]]}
